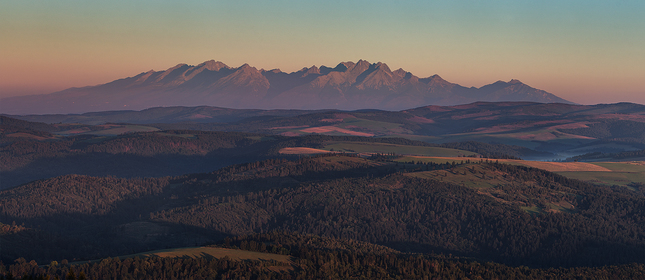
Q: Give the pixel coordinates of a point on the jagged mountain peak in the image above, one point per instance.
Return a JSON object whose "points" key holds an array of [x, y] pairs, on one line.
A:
{"points": [[435, 80], [178, 66], [313, 70], [502, 84], [213, 65], [362, 63], [169, 74], [247, 69], [246, 79], [343, 66], [358, 69], [382, 66]]}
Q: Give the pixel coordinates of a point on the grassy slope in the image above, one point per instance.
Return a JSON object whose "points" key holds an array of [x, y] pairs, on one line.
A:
{"points": [[621, 174]]}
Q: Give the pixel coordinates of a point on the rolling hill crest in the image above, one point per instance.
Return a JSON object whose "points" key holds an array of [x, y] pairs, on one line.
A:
{"points": [[347, 86]]}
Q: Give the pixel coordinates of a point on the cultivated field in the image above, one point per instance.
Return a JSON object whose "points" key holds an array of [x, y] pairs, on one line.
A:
{"points": [[345, 124], [620, 173], [198, 252], [340, 131]]}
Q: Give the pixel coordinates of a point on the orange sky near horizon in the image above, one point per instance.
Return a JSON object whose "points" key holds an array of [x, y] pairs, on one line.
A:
{"points": [[584, 51]]}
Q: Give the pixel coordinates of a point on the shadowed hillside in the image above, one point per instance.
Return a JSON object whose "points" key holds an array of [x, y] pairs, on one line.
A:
{"points": [[518, 215]]}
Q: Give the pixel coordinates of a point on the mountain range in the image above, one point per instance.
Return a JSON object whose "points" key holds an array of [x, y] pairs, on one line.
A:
{"points": [[347, 86]]}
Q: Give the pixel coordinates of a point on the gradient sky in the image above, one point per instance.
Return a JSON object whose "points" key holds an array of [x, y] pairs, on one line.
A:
{"points": [[584, 51]]}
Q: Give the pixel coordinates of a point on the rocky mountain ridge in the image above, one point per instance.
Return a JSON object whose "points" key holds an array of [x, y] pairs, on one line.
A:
{"points": [[347, 86]]}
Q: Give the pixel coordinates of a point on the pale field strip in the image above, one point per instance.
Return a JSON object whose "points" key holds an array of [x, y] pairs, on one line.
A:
{"points": [[200, 252], [327, 129], [566, 166], [302, 151]]}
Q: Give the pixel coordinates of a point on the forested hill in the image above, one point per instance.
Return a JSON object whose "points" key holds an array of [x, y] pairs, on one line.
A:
{"points": [[631, 155], [11, 124], [129, 155], [412, 207], [28, 154]]}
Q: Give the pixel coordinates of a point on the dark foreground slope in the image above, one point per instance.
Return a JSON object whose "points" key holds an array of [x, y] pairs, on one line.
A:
{"points": [[307, 257], [548, 221]]}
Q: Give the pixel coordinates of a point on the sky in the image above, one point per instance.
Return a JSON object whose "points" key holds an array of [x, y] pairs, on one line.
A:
{"points": [[587, 52]]}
